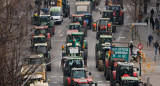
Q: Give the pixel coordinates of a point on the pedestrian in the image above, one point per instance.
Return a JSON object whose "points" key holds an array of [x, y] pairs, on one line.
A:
{"points": [[131, 47], [153, 25], [156, 46], [159, 50], [150, 38], [151, 20], [152, 12], [157, 7]]}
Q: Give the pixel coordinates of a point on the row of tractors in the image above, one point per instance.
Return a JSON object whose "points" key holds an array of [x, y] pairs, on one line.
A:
{"points": [[75, 49], [116, 70], [34, 71]]}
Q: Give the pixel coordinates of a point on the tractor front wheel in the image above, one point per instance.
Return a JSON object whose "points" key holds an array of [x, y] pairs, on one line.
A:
{"points": [[108, 73], [65, 81], [100, 65]]}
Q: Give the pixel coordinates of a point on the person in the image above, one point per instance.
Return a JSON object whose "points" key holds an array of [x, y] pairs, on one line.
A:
{"points": [[153, 25], [157, 25], [151, 20], [146, 20], [159, 50], [150, 38], [152, 12], [131, 47], [156, 45], [157, 7]]}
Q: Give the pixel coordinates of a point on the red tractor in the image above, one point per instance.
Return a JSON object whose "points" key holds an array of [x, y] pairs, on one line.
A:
{"points": [[79, 18], [120, 75], [78, 76]]}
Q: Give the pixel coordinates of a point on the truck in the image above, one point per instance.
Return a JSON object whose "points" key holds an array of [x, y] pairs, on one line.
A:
{"points": [[92, 2], [85, 7]]}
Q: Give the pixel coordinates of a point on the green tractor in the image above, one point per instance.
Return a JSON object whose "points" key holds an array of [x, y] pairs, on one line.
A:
{"points": [[118, 13], [101, 50], [103, 27], [45, 21], [77, 75], [74, 49], [79, 18], [75, 27], [109, 14], [38, 40]]}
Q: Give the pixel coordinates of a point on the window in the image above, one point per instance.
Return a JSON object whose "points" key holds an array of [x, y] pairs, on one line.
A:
{"points": [[79, 74], [55, 13]]}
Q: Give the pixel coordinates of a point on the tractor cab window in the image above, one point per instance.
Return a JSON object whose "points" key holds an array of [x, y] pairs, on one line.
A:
{"points": [[107, 15], [41, 49], [39, 40], [76, 63], [130, 83], [78, 19], [114, 8], [40, 31], [55, 13], [102, 22], [79, 74], [84, 84], [35, 61], [105, 40], [74, 27], [78, 37], [126, 70], [45, 19]]}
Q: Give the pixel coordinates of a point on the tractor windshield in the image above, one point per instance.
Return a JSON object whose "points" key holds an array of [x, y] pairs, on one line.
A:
{"points": [[35, 61], [78, 19], [126, 70], [76, 63], [79, 74], [105, 40], [107, 15], [74, 27], [102, 22], [114, 8], [40, 31], [39, 40], [78, 37], [41, 49], [45, 18], [55, 13], [130, 83]]}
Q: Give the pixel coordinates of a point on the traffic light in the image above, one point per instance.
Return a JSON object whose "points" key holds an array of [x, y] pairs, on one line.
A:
{"points": [[109, 26], [140, 53]]}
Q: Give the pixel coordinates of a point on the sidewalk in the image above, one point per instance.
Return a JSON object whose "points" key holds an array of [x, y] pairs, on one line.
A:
{"points": [[144, 32]]}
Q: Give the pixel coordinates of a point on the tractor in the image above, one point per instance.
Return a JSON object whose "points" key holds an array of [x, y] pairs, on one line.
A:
{"points": [[41, 30], [118, 13], [109, 14], [79, 18], [71, 62], [102, 27], [123, 72], [40, 40], [45, 21], [101, 50], [65, 7], [34, 62], [74, 49], [78, 75], [75, 27]]}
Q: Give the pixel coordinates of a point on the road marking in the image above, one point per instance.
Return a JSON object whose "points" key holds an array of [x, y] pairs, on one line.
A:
{"points": [[121, 38], [53, 76], [54, 82], [61, 76], [99, 81], [96, 75], [62, 34]]}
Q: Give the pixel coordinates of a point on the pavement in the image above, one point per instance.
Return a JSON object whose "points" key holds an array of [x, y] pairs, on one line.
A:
{"points": [[153, 60]]}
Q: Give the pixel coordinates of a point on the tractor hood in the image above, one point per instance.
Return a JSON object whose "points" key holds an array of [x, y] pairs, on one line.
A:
{"points": [[80, 81], [43, 23], [40, 44]]}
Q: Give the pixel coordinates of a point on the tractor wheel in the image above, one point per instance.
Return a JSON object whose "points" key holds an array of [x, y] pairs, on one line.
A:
{"points": [[85, 56], [96, 56], [108, 73], [117, 84], [100, 65], [97, 36], [105, 72], [111, 80], [65, 81], [49, 67], [113, 29], [53, 30]]}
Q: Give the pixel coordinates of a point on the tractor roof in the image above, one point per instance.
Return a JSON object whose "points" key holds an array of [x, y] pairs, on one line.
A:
{"points": [[104, 18], [44, 15], [74, 24], [115, 5], [130, 78], [40, 44], [107, 11], [75, 58], [77, 33], [40, 27], [83, 2], [36, 56], [74, 69], [105, 36], [77, 15], [70, 44], [41, 36]]}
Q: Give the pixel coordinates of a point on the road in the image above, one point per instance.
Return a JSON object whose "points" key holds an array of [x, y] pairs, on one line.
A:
{"points": [[56, 75]]}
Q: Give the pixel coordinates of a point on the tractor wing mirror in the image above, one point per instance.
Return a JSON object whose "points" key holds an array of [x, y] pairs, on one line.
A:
{"points": [[94, 26]]}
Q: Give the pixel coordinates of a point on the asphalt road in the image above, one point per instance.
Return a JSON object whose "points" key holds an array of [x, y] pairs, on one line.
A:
{"points": [[56, 75]]}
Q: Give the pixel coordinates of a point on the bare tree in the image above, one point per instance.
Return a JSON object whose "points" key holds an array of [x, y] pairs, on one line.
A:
{"points": [[13, 42]]}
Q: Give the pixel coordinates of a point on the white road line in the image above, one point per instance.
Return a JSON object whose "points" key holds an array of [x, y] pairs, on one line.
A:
{"points": [[54, 82], [97, 76], [62, 34], [53, 76], [99, 81], [121, 38]]}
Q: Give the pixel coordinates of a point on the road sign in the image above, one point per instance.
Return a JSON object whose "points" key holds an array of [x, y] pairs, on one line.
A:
{"points": [[140, 46], [120, 53]]}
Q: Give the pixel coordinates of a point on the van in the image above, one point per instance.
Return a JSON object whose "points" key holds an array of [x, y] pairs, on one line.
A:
{"points": [[56, 14]]}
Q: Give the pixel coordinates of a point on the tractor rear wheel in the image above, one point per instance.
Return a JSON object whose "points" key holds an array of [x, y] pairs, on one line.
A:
{"points": [[65, 81], [117, 84], [100, 65], [108, 73], [48, 67]]}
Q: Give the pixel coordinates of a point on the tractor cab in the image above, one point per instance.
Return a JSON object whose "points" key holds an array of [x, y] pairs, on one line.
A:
{"points": [[41, 30], [44, 19], [108, 14], [75, 27], [73, 62], [102, 27]]}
